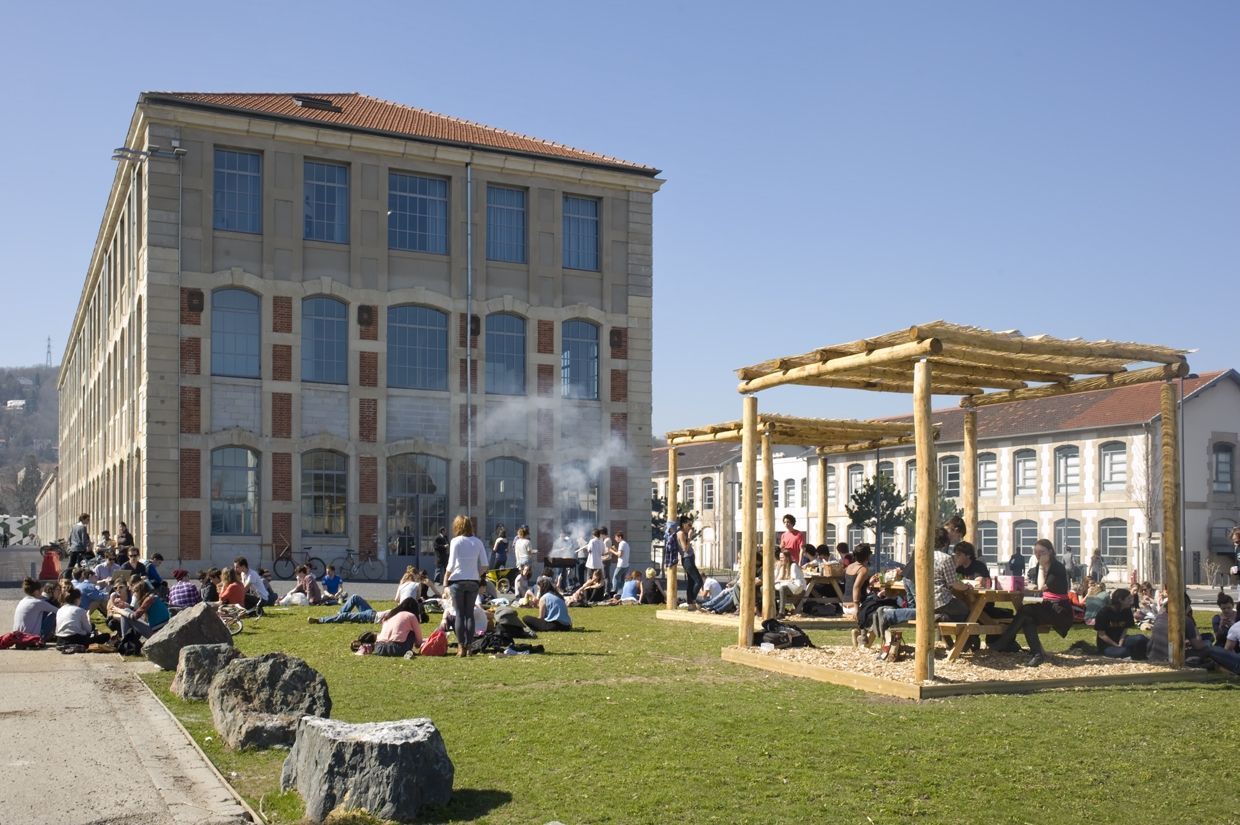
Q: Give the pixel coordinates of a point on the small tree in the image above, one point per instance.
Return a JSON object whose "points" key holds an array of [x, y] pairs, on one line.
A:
{"points": [[878, 505], [27, 491], [658, 519], [944, 509]]}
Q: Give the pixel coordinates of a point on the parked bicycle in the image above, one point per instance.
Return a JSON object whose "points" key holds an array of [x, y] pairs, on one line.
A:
{"points": [[286, 563], [353, 566]]}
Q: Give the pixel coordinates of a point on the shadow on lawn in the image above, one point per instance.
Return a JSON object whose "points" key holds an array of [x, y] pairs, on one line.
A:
{"points": [[467, 804]]}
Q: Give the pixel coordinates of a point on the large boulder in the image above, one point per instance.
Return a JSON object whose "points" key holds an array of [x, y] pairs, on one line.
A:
{"points": [[256, 702], [197, 666], [197, 625], [390, 769]]}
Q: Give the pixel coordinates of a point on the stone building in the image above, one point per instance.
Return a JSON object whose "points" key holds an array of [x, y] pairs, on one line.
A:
{"points": [[1080, 470], [460, 321]]}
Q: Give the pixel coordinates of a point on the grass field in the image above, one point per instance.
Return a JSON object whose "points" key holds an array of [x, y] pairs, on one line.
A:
{"points": [[633, 720]]}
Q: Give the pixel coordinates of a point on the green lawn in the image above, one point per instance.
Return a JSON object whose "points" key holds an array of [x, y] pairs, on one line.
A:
{"points": [[635, 720]]}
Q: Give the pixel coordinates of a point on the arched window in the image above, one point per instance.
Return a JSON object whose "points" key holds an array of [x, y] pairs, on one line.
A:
{"points": [[708, 494], [1067, 470], [988, 541], [324, 493], [324, 341], [505, 354], [417, 348], [234, 492], [1025, 472], [987, 474], [688, 493], [774, 493], [1224, 468], [856, 535], [1113, 460], [887, 470], [417, 502], [505, 492], [949, 475], [790, 493], [1024, 536], [579, 360], [1067, 539], [831, 536], [1113, 542], [856, 478], [235, 323]]}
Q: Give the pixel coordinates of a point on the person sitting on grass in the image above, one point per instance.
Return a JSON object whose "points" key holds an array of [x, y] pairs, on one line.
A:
{"points": [[34, 615], [1226, 617], [73, 625], [1112, 623], [634, 590], [93, 598], [333, 586], [653, 591], [401, 632], [183, 593], [552, 609], [789, 580], [209, 584], [1194, 646], [1055, 609], [305, 591], [118, 606], [591, 591], [231, 590], [150, 613], [257, 593]]}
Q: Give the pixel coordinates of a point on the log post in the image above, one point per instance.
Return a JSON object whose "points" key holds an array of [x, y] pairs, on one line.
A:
{"points": [[673, 495], [969, 477], [749, 458], [927, 494], [768, 526], [822, 500], [1172, 573]]}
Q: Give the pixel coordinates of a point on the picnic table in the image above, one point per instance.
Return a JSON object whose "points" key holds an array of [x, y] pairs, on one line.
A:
{"points": [[979, 598]]}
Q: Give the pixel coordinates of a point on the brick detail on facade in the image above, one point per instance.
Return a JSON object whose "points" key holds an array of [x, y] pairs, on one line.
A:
{"points": [[619, 495], [546, 536], [546, 430], [546, 379], [367, 479], [465, 488], [281, 476], [619, 385], [370, 332], [190, 535], [619, 341], [281, 362], [368, 369], [473, 372], [546, 490], [463, 422], [462, 330], [368, 535], [546, 338], [367, 419], [191, 356], [281, 531], [620, 427], [192, 319], [191, 472], [191, 410], [281, 415], [281, 314]]}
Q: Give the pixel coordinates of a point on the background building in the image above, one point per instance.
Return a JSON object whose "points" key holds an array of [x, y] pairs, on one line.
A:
{"points": [[457, 320]]}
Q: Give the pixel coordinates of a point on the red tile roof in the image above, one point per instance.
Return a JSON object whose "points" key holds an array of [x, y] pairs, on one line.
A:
{"points": [[355, 111]]}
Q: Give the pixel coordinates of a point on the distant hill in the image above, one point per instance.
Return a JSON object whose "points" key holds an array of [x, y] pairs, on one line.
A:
{"points": [[29, 422]]}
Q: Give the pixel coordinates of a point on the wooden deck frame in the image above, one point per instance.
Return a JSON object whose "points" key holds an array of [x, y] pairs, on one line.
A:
{"points": [[730, 620], [906, 690]]}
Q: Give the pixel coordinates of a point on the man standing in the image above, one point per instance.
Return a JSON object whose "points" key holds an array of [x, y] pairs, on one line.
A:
{"points": [[792, 539], [595, 550], [621, 572], [79, 541], [441, 553]]}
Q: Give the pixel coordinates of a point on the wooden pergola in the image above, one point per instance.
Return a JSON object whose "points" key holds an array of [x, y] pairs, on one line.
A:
{"points": [[984, 368], [829, 436]]}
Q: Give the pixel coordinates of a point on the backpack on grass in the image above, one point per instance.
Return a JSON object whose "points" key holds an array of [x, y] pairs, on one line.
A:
{"points": [[781, 634]]}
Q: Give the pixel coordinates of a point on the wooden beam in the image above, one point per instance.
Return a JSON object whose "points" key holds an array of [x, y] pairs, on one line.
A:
{"points": [[902, 387], [768, 527], [835, 425], [749, 458], [1172, 573], [969, 477], [1163, 372], [844, 364], [1065, 367], [704, 438], [950, 374], [673, 495], [878, 444], [997, 342], [927, 494]]}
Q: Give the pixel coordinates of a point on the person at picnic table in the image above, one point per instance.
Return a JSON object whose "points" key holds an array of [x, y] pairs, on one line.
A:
{"points": [[845, 557], [1225, 618], [968, 565], [955, 531], [1054, 610], [73, 625], [1112, 624], [949, 592], [857, 579], [467, 566], [553, 612], [789, 579], [34, 615], [401, 632], [333, 585], [183, 593], [231, 590]]}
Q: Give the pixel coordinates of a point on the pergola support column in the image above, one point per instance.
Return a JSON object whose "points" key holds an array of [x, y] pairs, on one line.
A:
{"points": [[927, 494], [749, 460], [822, 500], [1172, 572], [673, 491], [768, 527], [969, 477]]}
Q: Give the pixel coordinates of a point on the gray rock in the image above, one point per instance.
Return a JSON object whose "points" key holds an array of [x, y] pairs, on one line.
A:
{"points": [[390, 769], [197, 666], [197, 625], [257, 701]]}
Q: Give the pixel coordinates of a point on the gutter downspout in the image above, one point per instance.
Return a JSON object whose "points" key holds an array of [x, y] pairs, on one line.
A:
{"points": [[469, 334]]}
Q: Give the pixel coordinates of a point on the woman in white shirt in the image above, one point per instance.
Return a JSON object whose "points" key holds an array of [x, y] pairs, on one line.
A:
{"points": [[521, 548], [73, 625], [789, 579], [467, 564]]}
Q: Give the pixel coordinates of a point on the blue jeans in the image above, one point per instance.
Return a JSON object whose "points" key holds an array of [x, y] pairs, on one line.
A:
{"points": [[1134, 647], [464, 594], [618, 575], [885, 617], [725, 602], [693, 579], [1225, 658], [365, 614]]}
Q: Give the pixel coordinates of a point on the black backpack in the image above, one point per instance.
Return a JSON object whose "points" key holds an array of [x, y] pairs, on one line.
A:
{"points": [[781, 634], [130, 644]]}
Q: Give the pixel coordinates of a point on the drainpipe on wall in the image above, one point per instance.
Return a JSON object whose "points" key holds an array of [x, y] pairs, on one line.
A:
{"points": [[469, 331]]}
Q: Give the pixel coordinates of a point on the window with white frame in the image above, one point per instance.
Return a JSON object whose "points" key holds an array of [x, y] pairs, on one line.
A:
{"points": [[1113, 542], [1067, 539], [1024, 536], [987, 474], [324, 341], [1067, 469], [805, 492], [988, 541], [579, 360], [324, 493], [237, 202], [1025, 472], [235, 333], [830, 485], [688, 493], [1220, 537], [417, 348], [949, 475], [774, 493], [505, 354], [790, 493], [831, 536], [505, 489], [757, 493], [1224, 468], [856, 536], [910, 479], [856, 476], [1113, 457], [887, 470], [708, 494]]}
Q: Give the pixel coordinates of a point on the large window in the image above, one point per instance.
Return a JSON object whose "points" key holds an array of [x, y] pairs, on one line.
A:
{"points": [[505, 224], [910, 479], [1224, 468], [235, 333], [580, 233], [1067, 539], [987, 474], [856, 535], [1024, 536], [1113, 541], [949, 475], [417, 502], [324, 341], [417, 348], [988, 541], [856, 478], [1025, 472], [887, 470], [805, 493], [688, 493], [790, 493], [830, 486], [774, 493], [417, 213], [831, 536], [505, 492], [326, 202], [234, 492], [505, 373], [1113, 457], [1067, 469], [324, 493], [237, 202], [708, 494], [579, 360]]}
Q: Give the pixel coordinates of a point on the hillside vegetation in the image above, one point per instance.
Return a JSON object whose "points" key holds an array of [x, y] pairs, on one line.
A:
{"points": [[28, 436]]}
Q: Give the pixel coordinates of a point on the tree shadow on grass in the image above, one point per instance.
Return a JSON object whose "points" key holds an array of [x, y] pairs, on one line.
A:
{"points": [[467, 804]]}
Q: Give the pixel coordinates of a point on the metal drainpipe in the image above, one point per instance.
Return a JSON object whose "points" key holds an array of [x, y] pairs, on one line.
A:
{"points": [[469, 331]]}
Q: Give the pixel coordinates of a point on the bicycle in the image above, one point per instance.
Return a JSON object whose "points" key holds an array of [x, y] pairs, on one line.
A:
{"points": [[286, 563], [231, 615], [365, 567]]}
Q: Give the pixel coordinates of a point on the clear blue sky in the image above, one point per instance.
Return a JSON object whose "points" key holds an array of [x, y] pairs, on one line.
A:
{"points": [[834, 170]]}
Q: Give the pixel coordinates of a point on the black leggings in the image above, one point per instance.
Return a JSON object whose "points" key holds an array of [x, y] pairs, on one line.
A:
{"points": [[693, 579], [1026, 620], [535, 623], [82, 639], [464, 594], [394, 648]]}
